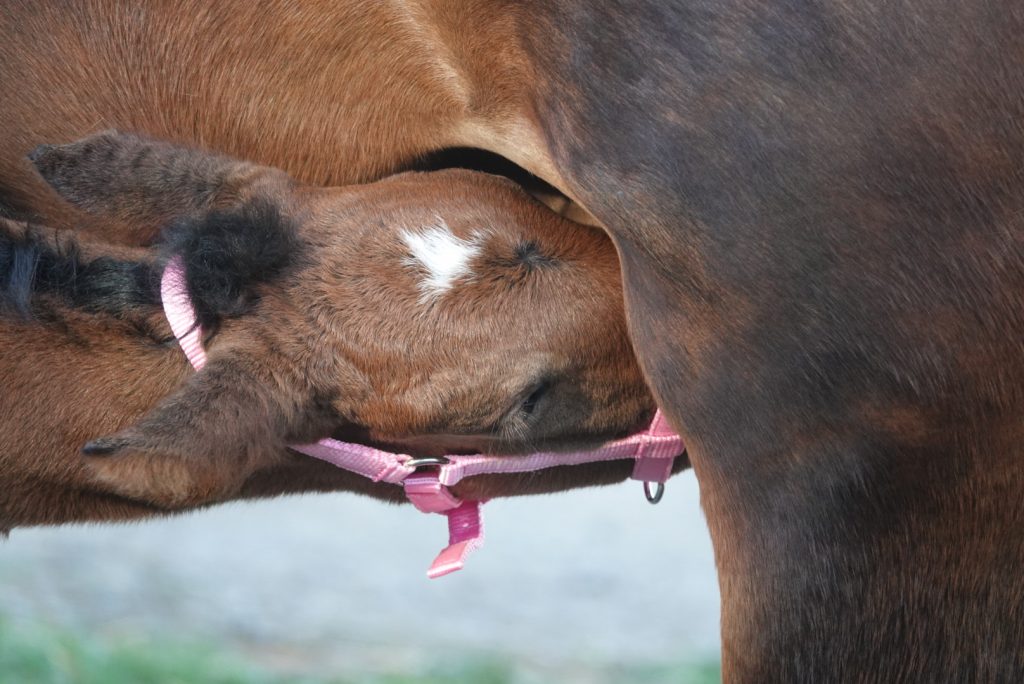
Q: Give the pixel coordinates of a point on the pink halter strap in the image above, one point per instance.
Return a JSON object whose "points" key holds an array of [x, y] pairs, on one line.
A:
{"points": [[426, 480]]}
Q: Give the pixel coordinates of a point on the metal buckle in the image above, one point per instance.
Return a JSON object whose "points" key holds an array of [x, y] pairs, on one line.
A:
{"points": [[658, 493], [424, 461]]}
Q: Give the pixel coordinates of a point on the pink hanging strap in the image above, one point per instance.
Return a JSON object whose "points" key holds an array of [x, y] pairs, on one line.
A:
{"points": [[465, 525], [655, 449]]}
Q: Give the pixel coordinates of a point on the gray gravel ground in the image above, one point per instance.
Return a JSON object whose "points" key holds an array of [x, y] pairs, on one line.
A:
{"points": [[586, 576]]}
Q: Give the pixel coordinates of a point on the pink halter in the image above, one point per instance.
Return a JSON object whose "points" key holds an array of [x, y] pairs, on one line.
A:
{"points": [[426, 480]]}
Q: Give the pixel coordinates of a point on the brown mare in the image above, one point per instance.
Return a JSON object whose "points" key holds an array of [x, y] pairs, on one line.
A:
{"points": [[817, 207], [332, 311]]}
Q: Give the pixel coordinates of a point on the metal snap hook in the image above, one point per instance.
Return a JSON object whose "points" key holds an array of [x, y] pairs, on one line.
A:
{"points": [[658, 492], [423, 461]]}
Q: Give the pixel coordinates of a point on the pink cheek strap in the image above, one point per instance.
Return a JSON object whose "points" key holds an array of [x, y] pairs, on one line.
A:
{"points": [[426, 481]]}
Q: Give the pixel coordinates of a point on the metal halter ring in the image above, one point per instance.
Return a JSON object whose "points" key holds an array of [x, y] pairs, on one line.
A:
{"points": [[658, 493], [424, 461]]}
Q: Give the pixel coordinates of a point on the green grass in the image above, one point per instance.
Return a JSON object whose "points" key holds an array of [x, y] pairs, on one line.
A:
{"points": [[34, 655], [38, 655]]}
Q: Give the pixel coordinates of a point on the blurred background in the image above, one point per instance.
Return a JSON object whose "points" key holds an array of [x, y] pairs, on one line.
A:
{"points": [[585, 586]]}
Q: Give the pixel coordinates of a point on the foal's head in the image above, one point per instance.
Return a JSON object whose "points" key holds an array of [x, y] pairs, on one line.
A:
{"points": [[442, 311]]}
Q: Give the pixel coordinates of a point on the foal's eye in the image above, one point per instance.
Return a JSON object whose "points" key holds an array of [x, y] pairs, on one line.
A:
{"points": [[530, 402]]}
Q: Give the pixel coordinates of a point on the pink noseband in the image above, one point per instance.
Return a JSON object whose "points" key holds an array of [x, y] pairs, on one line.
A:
{"points": [[426, 480]]}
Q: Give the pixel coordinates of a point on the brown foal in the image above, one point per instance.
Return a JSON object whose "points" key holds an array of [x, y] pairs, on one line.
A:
{"points": [[443, 311]]}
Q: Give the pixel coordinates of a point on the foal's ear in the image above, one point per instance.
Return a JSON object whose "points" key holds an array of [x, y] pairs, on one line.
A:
{"points": [[200, 443], [142, 181]]}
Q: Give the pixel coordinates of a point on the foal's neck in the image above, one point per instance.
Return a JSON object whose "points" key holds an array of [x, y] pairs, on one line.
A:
{"points": [[83, 341]]}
